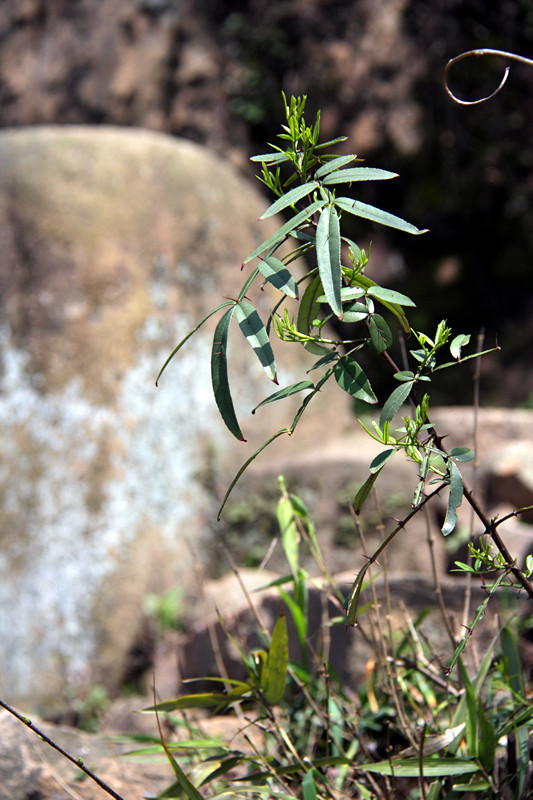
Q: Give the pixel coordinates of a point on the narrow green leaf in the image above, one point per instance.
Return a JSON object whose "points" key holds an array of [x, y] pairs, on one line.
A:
{"points": [[352, 601], [358, 174], [275, 272], [256, 336], [186, 338], [454, 498], [247, 464], [285, 229], [278, 661], [375, 215], [381, 459], [200, 700], [487, 739], [308, 311], [394, 402], [289, 199], [270, 158], [335, 163], [364, 491], [338, 140], [219, 375], [290, 537], [308, 786], [380, 333], [328, 252], [353, 380], [286, 392], [465, 358], [514, 666], [390, 296], [394, 308], [471, 729], [328, 373], [432, 767]]}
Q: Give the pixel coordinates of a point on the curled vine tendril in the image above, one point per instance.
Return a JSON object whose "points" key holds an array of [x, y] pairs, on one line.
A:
{"points": [[484, 52]]}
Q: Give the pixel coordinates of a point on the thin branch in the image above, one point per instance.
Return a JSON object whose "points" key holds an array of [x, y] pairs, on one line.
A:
{"points": [[78, 762], [483, 52]]}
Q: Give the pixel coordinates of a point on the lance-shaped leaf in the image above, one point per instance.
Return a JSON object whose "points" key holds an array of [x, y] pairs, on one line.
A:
{"points": [[367, 283], [219, 375], [284, 231], [286, 392], [454, 499], [334, 164], [275, 272], [353, 380], [390, 296], [308, 311], [289, 199], [375, 214], [394, 402], [358, 174], [278, 661], [271, 158], [256, 336], [186, 338], [328, 253]]}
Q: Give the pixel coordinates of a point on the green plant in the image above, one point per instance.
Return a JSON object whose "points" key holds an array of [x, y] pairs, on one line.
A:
{"points": [[412, 729], [318, 741]]}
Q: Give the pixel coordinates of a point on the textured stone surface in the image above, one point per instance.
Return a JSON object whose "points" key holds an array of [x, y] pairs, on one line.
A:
{"points": [[106, 236]]}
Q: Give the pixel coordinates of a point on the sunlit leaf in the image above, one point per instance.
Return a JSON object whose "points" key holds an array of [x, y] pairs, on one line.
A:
{"points": [[275, 272], [278, 661], [375, 214], [219, 375], [390, 296], [455, 498], [353, 380], [457, 343], [432, 767], [290, 538], [289, 199], [331, 166], [282, 232], [328, 253], [394, 402], [270, 158], [256, 336], [358, 174]]}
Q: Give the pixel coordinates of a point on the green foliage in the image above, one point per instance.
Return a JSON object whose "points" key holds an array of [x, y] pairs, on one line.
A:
{"points": [[318, 738]]}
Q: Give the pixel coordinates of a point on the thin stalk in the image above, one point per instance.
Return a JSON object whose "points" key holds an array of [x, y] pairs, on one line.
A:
{"points": [[78, 762]]}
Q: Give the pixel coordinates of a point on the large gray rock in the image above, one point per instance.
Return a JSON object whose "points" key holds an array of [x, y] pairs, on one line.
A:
{"points": [[113, 244]]}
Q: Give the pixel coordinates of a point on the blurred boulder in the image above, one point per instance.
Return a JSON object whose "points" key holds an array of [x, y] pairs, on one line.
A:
{"points": [[114, 243]]}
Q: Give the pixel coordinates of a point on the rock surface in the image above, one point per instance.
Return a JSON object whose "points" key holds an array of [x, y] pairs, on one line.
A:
{"points": [[113, 244]]}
